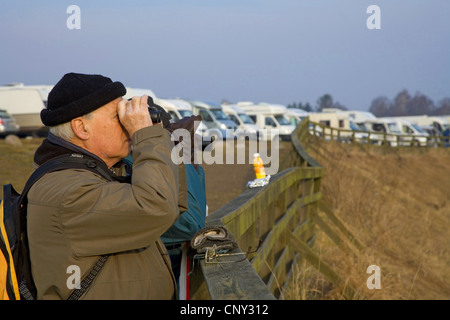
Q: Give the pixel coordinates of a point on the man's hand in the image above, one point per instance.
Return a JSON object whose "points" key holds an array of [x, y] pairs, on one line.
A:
{"points": [[133, 114]]}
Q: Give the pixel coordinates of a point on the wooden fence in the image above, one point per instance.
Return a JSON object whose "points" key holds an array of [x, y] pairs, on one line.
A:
{"points": [[377, 138], [275, 226], [272, 226]]}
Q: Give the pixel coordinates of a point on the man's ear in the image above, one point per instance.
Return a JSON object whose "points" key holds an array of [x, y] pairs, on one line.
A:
{"points": [[80, 128]]}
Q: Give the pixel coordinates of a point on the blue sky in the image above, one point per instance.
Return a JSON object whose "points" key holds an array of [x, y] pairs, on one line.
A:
{"points": [[279, 51]]}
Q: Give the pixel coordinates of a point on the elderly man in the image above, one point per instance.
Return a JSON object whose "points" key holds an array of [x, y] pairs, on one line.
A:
{"points": [[75, 216]]}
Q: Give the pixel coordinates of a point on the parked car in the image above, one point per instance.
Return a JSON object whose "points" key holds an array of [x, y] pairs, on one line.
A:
{"points": [[8, 124]]}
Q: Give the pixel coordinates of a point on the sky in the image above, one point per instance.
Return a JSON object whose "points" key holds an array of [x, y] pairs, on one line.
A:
{"points": [[279, 51]]}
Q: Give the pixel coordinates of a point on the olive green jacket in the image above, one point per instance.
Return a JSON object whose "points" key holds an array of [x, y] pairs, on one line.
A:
{"points": [[74, 216]]}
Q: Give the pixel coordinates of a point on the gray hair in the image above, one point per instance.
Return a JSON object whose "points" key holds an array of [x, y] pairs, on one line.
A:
{"points": [[64, 130]]}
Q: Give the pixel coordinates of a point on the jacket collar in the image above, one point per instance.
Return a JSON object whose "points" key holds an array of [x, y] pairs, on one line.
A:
{"points": [[54, 146]]}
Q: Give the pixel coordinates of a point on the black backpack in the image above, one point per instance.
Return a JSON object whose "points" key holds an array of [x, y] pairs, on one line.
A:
{"points": [[16, 281]]}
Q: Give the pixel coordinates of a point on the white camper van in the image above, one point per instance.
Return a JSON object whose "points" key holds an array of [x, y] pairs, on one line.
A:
{"points": [[177, 108], [414, 135], [25, 105], [435, 124], [242, 120], [337, 120], [271, 118], [215, 120], [381, 127]]}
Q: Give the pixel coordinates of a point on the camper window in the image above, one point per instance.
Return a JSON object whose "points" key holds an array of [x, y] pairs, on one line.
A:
{"points": [[419, 129], [233, 118], [219, 115], [205, 115], [186, 113], [174, 116], [282, 120], [394, 128], [270, 122], [246, 119], [406, 129]]}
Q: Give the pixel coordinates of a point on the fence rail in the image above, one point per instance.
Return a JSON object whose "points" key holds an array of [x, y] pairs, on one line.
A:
{"points": [[377, 138]]}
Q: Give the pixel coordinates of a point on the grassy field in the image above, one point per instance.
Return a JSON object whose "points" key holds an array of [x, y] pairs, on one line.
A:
{"points": [[16, 163], [397, 203]]}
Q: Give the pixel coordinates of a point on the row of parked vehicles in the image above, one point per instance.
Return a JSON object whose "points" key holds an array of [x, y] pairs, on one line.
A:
{"points": [[20, 108], [421, 130], [262, 121]]}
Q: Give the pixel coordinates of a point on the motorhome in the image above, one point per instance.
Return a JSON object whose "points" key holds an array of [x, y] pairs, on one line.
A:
{"points": [[436, 124], [242, 120], [336, 120], [216, 121], [384, 131], [177, 108], [295, 115], [269, 117], [356, 116], [414, 135], [25, 103]]}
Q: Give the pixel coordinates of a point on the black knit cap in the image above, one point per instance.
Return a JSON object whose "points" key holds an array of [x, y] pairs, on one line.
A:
{"points": [[78, 94]]}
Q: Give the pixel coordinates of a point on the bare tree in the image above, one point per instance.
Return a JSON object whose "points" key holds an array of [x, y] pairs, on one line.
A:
{"points": [[380, 106]]}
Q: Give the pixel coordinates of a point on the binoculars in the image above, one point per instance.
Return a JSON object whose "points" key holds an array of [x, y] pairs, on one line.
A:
{"points": [[155, 114]]}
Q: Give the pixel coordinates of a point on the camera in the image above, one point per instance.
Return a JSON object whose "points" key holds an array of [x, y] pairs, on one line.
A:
{"points": [[155, 114]]}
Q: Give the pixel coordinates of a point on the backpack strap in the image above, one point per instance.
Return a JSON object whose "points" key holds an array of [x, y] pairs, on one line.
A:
{"points": [[84, 285], [70, 162]]}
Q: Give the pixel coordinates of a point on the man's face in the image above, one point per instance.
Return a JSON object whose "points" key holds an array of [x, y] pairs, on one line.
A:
{"points": [[108, 138]]}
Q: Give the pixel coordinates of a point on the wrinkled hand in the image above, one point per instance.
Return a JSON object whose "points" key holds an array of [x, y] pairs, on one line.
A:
{"points": [[133, 114]]}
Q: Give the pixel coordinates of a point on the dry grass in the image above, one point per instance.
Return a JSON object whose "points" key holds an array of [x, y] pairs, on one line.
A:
{"points": [[16, 163], [397, 203]]}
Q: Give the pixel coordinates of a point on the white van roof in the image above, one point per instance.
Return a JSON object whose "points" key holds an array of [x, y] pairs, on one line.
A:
{"points": [[232, 107], [180, 104], [137, 92], [204, 104], [264, 108], [297, 112]]}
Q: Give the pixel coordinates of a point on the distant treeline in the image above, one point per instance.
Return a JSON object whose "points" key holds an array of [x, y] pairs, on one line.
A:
{"points": [[404, 104]]}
